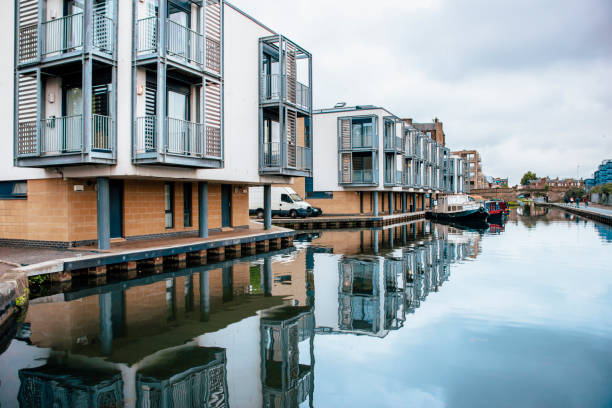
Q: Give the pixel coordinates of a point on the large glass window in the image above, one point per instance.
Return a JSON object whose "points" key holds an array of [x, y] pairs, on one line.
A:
{"points": [[13, 189], [362, 132]]}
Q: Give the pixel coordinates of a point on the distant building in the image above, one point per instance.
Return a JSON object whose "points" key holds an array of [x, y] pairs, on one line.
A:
{"points": [[475, 177], [497, 182], [542, 182], [434, 130], [602, 175]]}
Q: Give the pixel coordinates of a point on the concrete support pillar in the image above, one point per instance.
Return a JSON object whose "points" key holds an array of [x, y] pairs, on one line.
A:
{"points": [[391, 202], [404, 199], [203, 208], [267, 206], [103, 204], [375, 196], [204, 297]]}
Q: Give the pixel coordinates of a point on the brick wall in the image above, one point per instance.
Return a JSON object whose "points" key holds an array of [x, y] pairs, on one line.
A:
{"points": [[53, 211]]}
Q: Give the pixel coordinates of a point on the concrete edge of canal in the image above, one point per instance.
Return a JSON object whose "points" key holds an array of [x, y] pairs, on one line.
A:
{"points": [[593, 215], [13, 299]]}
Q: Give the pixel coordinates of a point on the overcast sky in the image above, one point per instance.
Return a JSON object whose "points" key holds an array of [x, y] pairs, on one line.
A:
{"points": [[526, 82]]}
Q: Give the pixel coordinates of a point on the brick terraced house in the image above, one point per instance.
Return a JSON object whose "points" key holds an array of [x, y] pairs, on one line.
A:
{"points": [[139, 118]]}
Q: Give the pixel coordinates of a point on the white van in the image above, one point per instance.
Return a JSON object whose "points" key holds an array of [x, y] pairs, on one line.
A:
{"points": [[285, 202]]}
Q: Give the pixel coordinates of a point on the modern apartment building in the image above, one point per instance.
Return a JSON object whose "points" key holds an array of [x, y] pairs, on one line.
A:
{"points": [[475, 176], [139, 118], [602, 175], [368, 160]]}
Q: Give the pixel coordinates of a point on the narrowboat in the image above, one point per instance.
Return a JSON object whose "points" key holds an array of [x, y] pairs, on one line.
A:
{"points": [[458, 208], [497, 210]]}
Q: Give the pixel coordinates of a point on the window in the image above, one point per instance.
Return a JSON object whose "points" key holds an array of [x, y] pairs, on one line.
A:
{"points": [[169, 204], [362, 132], [10, 190], [187, 207], [285, 199], [315, 194]]}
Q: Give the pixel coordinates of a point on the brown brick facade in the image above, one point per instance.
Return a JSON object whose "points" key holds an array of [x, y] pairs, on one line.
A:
{"points": [[55, 212]]}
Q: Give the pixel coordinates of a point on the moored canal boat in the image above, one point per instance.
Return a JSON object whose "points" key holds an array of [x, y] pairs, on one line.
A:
{"points": [[497, 210], [458, 208]]}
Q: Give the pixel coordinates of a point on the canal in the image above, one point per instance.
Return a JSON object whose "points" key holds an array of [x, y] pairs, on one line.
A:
{"points": [[419, 315]]}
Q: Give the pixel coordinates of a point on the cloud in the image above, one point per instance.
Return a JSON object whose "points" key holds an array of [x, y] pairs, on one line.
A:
{"points": [[526, 83]]}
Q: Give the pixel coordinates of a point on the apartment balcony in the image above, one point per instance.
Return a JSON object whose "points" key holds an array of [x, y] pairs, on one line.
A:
{"points": [[393, 178], [277, 88], [66, 38], [285, 159], [393, 143], [179, 143], [66, 140], [364, 177], [182, 46]]}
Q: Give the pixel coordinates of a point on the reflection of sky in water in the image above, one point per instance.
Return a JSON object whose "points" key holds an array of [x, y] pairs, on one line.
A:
{"points": [[527, 324]]}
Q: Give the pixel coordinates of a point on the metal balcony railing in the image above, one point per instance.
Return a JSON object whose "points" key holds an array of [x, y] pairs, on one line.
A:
{"points": [[185, 138], [102, 132], [103, 33], [183, 42], [61, 135], [63, 34], [271, 90], [303, 158], [362, 176], [271, 154], [360, 141], [302, 96], [146, 134], [147, 35]]}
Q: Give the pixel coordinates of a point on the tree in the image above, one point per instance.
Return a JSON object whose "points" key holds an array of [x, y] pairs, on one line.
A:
{"points": [[574, 192], [527, 177]]}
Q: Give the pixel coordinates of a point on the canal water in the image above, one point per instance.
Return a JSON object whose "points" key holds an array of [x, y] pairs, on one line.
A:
{"points": [[414, 315]]}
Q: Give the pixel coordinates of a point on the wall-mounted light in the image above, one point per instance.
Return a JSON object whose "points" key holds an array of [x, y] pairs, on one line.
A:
{"points": [[51, 97], [139, 89]]}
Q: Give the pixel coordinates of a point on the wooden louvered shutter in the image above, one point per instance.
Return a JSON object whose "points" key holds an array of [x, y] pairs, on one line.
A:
{"points": [[345, 134], [291, 70], [26, 114], [291, 126], [213, 119], [28, 30], [346, 167], [213, 35]]}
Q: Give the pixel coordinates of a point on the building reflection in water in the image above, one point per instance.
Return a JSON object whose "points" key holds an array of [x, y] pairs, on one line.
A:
{"points": [[241, 331], [287, 376], [376, 292]]}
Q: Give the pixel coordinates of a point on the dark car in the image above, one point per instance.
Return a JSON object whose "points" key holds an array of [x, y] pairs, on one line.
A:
{"points": [[316, 211]]}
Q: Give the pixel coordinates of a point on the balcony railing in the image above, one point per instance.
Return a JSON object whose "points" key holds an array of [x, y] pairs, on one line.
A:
{"points": [[272, 156], [147, 35], [61, 135], [63, 34], [102, 132], [303, 158], [271, 90], [183, 42], [103, 33], [361, 141], [362, 176], [185, 138]]}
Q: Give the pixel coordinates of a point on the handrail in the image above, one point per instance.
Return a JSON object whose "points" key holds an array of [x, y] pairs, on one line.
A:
{"points": [[183, 42], [185, 137], [101, 132], [61, 135], [147, 35]]}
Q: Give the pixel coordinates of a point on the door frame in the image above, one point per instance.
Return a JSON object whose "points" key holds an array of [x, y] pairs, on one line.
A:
{"points": [[121, 185], [228, 187]]}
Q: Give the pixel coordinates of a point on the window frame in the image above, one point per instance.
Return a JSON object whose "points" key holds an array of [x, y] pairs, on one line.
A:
{"points": [[170, 186]]}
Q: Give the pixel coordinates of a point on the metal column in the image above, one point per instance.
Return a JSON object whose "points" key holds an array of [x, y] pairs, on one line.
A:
{"points": [[423, 197], [375, 194], [404, 199], [203, 208], [375, 241], [391, 202], [414, 199], [106, 323], [267, 206], [266, 277], [103, 213]]}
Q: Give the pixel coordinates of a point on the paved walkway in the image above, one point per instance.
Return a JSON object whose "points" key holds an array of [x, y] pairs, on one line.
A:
{"points": [[28, 256], [591, 208]]}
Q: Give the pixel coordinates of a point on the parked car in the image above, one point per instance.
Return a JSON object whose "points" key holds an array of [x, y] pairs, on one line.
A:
{"points": [[285, 203], [316, 211]]}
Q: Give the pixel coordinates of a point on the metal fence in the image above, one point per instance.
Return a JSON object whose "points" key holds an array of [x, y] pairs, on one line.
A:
{"points": [[185, 138], [183, 42], [102, 132], [61, 135], [62, 34]]}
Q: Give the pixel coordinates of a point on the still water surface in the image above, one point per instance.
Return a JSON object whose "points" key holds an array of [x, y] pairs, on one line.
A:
{"points": [[418, 315]]}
